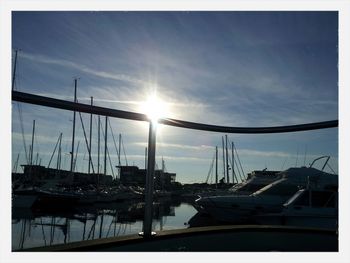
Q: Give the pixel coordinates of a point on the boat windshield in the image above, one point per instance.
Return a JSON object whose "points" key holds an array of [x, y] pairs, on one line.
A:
{"points": [[317, 199], [278, 187]]}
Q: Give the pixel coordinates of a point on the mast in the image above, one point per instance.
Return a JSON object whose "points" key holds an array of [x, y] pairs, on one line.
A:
{"points": [[31, 150], [216, 166], [76, 157], [59, 153], [14, 71], [233, 164], [14, 169], [227, 166], [120, 140], [98, 145], [73, 135], [105, 157], [90, 161], [223, 156]]}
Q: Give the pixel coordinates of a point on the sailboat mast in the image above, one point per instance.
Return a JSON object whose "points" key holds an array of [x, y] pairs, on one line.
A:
{"points": [[31, 150], [90, 161], [73, 135], [120, 140], [233, 164], [227, 166], [216, 166], [223, 156], [105, 157], [14, 71], [98, 145], [59, 153]]}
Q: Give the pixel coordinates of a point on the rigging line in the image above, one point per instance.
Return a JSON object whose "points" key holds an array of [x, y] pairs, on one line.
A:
{"points": [[87, 144], [239, 161], [234, 174], [330, 168], [76, 156], [239, 172], [14, 169], [115, 145], [110, 162], [284, 163], [126, 160], [37, 144], [22, 131], [54, 150], [211, 169], [235, 162], [103, 134]]}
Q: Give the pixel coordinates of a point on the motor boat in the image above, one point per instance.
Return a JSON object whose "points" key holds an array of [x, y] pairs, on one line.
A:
{"points": [[236, 208], [306, 208]]}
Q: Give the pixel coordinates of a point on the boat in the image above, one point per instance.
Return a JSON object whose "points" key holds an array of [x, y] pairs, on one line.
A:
{"points": [[307, 208], [270, 199], [24, 198]]}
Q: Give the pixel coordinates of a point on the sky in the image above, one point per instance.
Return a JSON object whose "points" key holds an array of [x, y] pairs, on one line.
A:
{"points": [[241, 69]]}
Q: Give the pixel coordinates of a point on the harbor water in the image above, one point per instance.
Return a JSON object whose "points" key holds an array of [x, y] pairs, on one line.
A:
{"points": [[49, 226]]}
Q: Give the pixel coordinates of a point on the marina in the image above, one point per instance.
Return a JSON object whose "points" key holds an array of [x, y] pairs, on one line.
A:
{"points": [[105, 166]]}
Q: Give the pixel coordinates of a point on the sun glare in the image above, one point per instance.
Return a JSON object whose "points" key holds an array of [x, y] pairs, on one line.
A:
{"points": [[154, 108]]}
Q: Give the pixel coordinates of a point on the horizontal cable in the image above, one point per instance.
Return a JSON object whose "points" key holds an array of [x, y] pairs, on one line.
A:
{"points": [[68, 105]]}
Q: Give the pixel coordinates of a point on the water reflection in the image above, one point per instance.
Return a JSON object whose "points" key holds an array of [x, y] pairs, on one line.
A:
{"points": [[49, 226]]}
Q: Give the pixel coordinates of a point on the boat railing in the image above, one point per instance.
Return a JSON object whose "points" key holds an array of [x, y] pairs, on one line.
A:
{"points": [[86, 108], [322, 157]]}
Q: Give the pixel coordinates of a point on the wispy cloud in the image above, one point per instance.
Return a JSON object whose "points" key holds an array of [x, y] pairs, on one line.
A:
{"points": [[178, 146], [67, 63]]}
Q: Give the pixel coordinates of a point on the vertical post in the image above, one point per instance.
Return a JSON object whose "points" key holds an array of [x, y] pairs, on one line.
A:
{"points": [[147, 223], [32, 148], [120, 140], [98, 145], [119, 153], [227, 166], [105, 156], [73, 135], [216, 166], [223, 156], [233, 164], [90, 161], [14, 71], [59, 153], [145, 158]]}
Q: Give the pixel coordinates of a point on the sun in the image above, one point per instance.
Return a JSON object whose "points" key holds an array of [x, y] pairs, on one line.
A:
{"points": [[155, 108]]}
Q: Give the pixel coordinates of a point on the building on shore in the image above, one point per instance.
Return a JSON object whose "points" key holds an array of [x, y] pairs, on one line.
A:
{"points": [[132, 175], [38, 174]]}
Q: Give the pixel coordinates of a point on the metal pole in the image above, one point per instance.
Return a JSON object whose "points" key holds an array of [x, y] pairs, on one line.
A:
{"points": [[216, 166], [147, 223], [233, 164], [14, 71], [32, 148], [98, 145], [223, 156], [73, 135], [120, 140], [227, 172], [90, 161], [105, 159]]}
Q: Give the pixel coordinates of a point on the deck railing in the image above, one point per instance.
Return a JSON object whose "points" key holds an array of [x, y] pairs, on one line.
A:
{"points": [[74, 106]]}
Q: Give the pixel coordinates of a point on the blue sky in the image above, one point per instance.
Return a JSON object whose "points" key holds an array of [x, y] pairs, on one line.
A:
{"points": [[226, 68]]}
